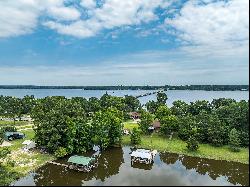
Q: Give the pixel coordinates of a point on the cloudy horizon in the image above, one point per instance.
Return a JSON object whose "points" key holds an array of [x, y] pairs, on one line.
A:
{"points": [[133, 42]]}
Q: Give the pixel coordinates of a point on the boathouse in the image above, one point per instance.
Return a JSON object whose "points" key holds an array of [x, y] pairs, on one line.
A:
{"points": [[143, 156], [82, 163]]}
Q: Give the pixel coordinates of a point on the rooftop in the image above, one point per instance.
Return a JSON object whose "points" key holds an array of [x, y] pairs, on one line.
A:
{"points": [[80, 160]]}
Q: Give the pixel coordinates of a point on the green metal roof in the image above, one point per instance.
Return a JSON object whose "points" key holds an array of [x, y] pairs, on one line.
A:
{"points": [[80, 160]]}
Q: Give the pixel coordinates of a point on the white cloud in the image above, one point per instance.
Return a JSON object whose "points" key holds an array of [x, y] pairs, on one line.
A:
{"points": [[19, 17], [89, 4], [112, 14], [217, 25], [64, 13]]}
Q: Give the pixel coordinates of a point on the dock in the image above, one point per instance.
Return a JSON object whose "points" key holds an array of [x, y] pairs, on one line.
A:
{"points": [[58, 164]]}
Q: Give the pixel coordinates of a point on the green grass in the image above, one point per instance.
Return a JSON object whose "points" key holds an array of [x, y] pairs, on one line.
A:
{"points": [[130, 126], [17, 123], [178, 146], [18, 142], [24, 162]]}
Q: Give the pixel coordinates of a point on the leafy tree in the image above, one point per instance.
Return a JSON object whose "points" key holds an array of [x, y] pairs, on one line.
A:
{"points": [[28, 103], [61, 152], [169, 124], [107, 127], [162, 112], [108, 101], [132, 103], [179, 108], [162, 98], [12, 107], [135, 136], [146, 121], [186, 124], [217, 103], [196, 107], [217, 131], [152, 106], [234, 141], [94, 104], [192, 143]]}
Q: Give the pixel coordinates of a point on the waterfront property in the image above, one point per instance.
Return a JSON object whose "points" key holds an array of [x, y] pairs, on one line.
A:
{"points": [[143, 156], [81, 163], [115, 168]]}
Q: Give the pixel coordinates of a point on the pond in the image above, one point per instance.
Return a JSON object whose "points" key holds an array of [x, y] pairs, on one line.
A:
{"points": [[115, 168]]}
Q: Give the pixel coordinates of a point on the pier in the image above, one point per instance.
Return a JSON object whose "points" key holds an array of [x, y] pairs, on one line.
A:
{"points": [[59, 164], [149, 93]]}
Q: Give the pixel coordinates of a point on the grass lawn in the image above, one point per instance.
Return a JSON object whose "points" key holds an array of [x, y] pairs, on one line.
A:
{"points": [[178, 146], [17, 123], [130, 125], [24, 162]]}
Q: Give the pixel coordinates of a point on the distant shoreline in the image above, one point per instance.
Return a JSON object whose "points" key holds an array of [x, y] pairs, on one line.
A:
{"points": [[121, 87]]}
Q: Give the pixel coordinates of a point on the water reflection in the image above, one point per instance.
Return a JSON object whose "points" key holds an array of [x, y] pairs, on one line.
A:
{"points": [[168, 169], [236, 173]]}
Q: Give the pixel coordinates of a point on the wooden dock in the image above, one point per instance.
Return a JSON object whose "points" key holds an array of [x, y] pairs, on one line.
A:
{"points": [[58, 164]]}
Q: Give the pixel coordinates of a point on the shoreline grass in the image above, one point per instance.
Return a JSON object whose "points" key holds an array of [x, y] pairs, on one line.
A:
{"points": [[175, 145]]}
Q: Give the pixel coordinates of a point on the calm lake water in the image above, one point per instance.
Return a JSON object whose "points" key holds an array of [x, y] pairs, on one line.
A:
{"points": [[185, 95], [115, 168]]}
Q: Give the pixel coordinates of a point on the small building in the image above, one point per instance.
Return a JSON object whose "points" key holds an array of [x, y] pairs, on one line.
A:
{"points": [[28, 144], [157, 125], [134, 115], [143, 156], [82, 163]]}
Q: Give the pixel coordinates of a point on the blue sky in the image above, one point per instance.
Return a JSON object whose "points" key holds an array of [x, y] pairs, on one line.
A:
{"points": [[133, 42]]}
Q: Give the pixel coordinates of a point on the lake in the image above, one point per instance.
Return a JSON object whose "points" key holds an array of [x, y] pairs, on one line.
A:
{"points": [[115, 168], [185, 95]]}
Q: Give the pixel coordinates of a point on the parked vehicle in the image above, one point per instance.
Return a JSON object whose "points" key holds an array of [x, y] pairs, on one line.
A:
{"points": [[14, 135]]}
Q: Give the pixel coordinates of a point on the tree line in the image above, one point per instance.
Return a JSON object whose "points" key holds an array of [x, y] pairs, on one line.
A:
{"points": [[220, 122], [146, 87], [66, 125]]}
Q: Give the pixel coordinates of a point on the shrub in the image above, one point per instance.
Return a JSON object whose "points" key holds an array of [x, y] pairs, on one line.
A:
{"points": [[135, 136], [234, 141], [4, 152], [192, 144], [61, 152]]}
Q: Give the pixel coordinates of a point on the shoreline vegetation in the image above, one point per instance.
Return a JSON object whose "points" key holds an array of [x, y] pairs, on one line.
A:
{"points": [[175, 145], [123, 87], [28, 162], [63, 126]]}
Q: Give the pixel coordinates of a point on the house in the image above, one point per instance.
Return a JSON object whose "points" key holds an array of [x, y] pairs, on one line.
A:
{"points": [[134, 115], [155, 126], [28, 144]]}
